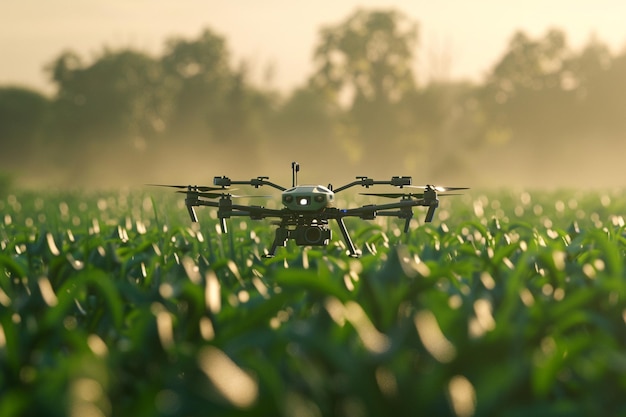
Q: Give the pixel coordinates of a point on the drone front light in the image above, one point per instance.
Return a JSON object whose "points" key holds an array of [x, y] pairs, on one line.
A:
{"points": [[304, 201]]}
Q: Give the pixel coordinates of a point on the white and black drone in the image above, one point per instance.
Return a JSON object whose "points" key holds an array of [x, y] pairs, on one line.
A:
{"points": [[307, 209]]}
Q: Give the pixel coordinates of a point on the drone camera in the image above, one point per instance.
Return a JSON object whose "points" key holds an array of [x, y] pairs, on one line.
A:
{"points": [[400, 181], [222, 181], [312, 235]]}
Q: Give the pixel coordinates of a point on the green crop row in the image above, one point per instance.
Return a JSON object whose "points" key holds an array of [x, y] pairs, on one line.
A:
{"points": [[508, 304]]}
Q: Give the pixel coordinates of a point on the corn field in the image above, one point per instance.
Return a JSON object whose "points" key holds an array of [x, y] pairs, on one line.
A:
{"points": [[510, 303]]}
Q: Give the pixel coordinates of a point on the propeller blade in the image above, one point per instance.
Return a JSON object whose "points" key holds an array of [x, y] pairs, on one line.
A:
{"points": [[444, 189], [437, 188], [394, 195], [205, 188], [189, 187], [202, 194], [166, 185], [219, 195]]}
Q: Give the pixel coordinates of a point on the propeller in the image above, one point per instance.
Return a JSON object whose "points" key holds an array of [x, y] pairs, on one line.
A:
{"points": [[404, 195], [395, 195], [437, 188], [220, 195], [189, 187]]}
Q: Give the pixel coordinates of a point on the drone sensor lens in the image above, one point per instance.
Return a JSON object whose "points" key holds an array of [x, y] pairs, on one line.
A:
{"points": [[319, 198], [288, 198]]}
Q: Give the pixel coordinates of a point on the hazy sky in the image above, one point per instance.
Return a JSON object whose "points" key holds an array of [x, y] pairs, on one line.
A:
{"points": [[459, 38]]}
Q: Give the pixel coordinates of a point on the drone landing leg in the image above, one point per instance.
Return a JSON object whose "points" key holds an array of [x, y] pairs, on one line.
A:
{"points": [[223, 225], [346, 237], [282, 234]]}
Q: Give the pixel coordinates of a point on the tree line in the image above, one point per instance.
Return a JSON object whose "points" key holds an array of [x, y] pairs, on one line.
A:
{"points": [[127, 113]]}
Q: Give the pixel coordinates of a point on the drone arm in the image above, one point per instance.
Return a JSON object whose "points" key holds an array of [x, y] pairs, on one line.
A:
{"points": [[368, 182], [363, 181], [191, 202], [206, 203], [255, 212], [400, 209], [405, 213], [255, 182], [259, 182], [371, 210]]}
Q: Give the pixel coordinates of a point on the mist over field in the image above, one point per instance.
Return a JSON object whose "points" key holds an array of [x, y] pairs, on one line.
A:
{"points": [[545, 115]]}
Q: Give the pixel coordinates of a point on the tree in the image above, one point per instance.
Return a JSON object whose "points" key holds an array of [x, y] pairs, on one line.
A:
{"points": [[530, 90], [214, 104], [450, 122], [600, 83], [307, 113], [367, 57], [306, 124], [365, 64], [112, 109], [242, 114], [531, 64], [120, 98], [200, 72], [24, 114]]}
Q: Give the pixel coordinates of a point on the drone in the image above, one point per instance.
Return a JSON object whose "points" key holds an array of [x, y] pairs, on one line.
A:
{"points": [[307, 209]]}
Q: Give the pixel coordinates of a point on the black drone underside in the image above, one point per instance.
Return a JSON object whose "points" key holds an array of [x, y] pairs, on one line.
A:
{"points": [[306, 220]]}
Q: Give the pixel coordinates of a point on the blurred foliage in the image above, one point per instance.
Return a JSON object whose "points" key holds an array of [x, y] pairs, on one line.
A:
{"points": [[125, 111], [6, 183], [515, 305], [540, 89]]}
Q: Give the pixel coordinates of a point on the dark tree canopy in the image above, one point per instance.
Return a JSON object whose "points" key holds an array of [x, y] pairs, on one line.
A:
{"points": [[23, 119], [368, 57], [365, 63], [117, 97]]}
